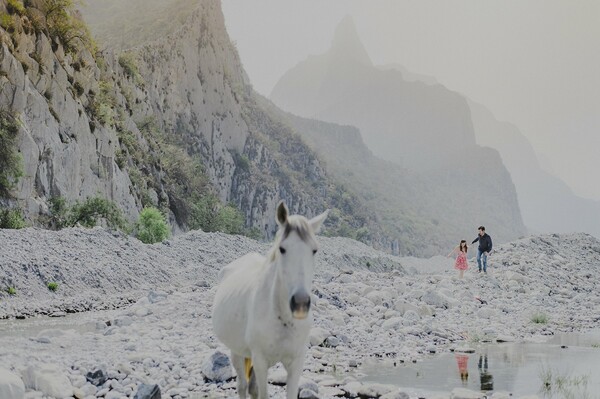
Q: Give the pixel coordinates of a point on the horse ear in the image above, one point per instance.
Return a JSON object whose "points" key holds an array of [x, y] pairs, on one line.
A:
{"points": [[316, 222], [282, 213]]}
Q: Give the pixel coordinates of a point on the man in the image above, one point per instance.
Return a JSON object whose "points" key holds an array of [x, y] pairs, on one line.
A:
{"points": [[485, 378], [485, 247]]}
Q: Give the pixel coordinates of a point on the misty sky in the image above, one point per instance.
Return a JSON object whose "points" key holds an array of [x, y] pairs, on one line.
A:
{"points": [[533, 63]]}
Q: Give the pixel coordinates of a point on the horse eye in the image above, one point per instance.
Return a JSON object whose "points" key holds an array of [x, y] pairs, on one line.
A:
{"points": [[314, 251], [282, 250]]}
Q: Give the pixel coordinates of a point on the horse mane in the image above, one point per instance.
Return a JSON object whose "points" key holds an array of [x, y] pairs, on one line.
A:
{"points": [[296, 223]]}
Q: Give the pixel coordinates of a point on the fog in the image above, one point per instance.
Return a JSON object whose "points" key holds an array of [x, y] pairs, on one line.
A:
{"points": [[534, 64]]}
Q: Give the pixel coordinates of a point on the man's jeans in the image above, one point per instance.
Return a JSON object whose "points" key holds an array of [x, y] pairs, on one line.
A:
{"points": [[482, 256]]}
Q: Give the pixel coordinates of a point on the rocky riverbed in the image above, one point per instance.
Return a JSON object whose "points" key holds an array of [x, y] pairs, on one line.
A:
{"points": [[147, 309]]}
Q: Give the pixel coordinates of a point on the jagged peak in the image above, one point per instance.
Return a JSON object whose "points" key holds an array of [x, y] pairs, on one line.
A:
{"points": [[346, 45]]}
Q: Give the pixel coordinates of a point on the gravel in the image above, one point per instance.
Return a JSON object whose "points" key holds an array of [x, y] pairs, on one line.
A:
{"points": [[147, 309]]}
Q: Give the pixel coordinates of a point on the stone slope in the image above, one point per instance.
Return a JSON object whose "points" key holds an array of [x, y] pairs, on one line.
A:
{"points": [[98, 268], [403, 310]]}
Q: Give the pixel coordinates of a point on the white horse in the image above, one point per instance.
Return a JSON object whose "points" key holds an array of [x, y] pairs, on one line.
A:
{"points": [[262, 306]]}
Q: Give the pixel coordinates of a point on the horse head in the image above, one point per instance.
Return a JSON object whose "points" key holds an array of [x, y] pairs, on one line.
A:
{"points": [[294, 253]]}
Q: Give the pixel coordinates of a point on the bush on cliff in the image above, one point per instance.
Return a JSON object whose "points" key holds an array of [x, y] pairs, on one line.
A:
{"points": [[11, 219], [11, 168], [89, 214]]}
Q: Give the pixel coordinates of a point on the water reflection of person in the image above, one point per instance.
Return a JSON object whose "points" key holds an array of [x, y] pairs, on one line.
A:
{"points": [[485, 378], [462, 360]]}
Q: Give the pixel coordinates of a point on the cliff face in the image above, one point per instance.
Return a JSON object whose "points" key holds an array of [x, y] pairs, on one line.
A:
{"points": [[423, 211], [158, 124], [547, 203], [423, 128], [411, 123], [63, 153]]}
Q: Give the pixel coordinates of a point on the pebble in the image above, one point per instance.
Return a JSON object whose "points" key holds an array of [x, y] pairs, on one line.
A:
{"points": [[165, 337]]}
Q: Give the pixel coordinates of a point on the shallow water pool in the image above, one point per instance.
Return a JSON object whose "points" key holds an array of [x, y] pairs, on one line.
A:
{"points": [[567, 366]]}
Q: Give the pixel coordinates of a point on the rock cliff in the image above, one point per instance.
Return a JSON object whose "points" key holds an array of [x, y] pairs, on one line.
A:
{"points": [[444, 185], [161, 124], [423, 211]]}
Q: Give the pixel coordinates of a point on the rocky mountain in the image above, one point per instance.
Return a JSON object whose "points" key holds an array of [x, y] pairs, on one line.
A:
{"points": [[417, 208], [413, 124], [166, 122], [423, 127], [547, 203]]}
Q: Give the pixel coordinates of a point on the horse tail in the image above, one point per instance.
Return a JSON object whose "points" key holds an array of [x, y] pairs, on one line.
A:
{"points": [[248, 368]]}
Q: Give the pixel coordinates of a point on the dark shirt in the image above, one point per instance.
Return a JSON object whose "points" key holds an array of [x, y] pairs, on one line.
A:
{"points": [[485, 243]]}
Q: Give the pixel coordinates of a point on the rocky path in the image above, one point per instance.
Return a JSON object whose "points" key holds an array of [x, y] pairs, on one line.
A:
{"points": [[369, 307]]}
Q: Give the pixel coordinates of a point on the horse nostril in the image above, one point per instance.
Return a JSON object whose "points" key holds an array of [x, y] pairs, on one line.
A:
{"points": [[300, 301]]}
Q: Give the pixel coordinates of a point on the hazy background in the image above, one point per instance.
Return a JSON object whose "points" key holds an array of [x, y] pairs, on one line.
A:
{"points": [[532, 63]]}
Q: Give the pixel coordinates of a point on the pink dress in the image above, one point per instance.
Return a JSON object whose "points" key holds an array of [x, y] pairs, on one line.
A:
{"points": [[461, 261]]}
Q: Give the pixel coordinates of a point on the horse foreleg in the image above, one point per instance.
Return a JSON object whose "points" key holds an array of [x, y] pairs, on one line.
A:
{"points": [[294, 371], [260, 368], [242, 382]]}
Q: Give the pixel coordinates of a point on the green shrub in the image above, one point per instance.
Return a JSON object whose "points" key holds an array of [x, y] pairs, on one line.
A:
{"points": [[129, 65], [152, 226], [11, 168], [203, 213], [53, 286], [58, 213], [11, 291], [7, 22], [12, 219], [61, 23], [539, 318], [210, 215], [104, 103], [87, 214], [15, 7], [230, 220], [92, 210]]}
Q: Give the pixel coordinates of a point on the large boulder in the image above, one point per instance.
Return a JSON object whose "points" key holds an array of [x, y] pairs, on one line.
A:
{"points": [[217, 367], [11, 385]]}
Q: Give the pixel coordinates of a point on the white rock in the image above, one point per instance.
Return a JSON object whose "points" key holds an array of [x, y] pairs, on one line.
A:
{"points": [[462, 393], [77, 380], [49, 379], [318, 335], [352, 388], [375, 390], [395, 395], [217, 367], [502, 395], [11, 385], [392, 324]]}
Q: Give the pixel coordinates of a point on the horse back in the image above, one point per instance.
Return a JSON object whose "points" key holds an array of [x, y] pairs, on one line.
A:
{"points": [[247, 263]]}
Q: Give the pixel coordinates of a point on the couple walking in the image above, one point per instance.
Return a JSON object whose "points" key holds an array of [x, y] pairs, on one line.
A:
{"points": [[484, 249]]}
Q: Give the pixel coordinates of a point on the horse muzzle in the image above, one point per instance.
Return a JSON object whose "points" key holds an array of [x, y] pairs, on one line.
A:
{"points": [[300, 304]]}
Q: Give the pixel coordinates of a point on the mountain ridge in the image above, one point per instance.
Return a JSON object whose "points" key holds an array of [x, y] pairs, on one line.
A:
{"points": [[423, 128], [163, 124]]}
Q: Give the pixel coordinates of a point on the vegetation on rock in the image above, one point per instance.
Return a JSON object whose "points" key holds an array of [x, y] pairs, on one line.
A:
{"points": [[90, 213], [12, 219]]}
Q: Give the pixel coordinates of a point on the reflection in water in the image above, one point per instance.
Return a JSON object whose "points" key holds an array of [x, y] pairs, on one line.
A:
{"points": [[463, 369], [486, 380], [518, 368]]}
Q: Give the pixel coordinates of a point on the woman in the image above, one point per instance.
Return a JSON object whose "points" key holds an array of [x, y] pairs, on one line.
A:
{"points": [[461, 258]]}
